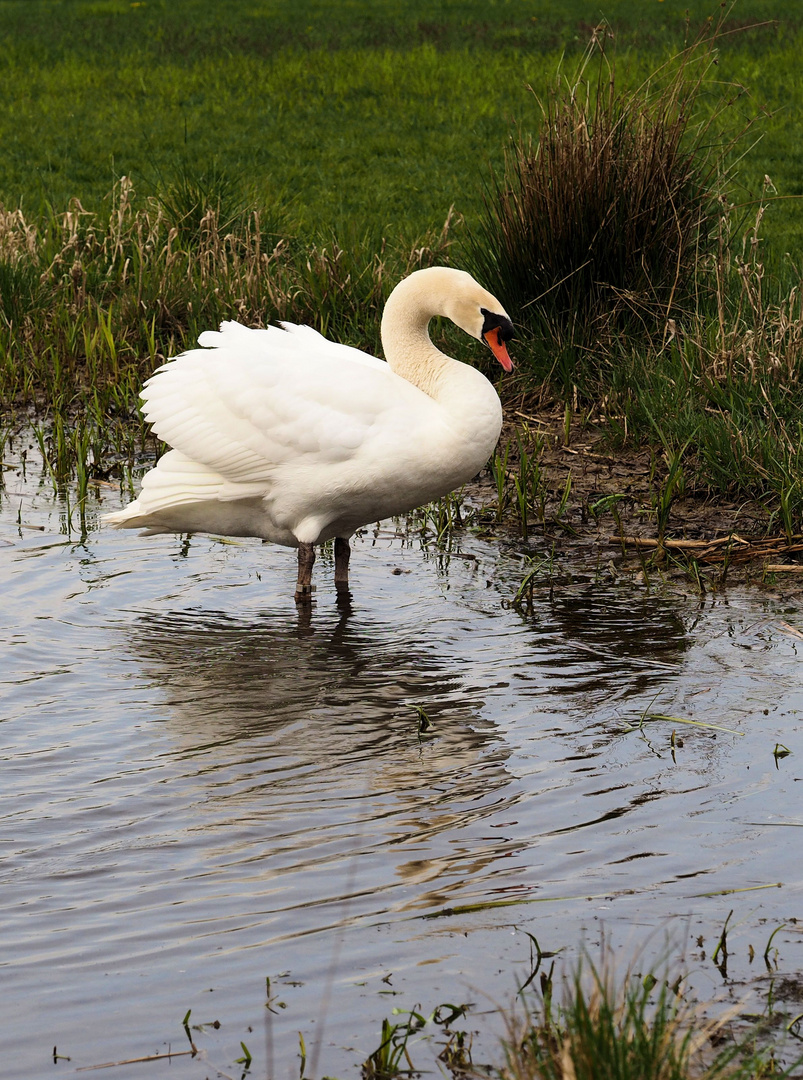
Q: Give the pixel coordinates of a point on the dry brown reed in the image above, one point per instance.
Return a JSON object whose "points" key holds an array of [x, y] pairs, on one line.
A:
{"points": [[87, 301], [758, 334]]}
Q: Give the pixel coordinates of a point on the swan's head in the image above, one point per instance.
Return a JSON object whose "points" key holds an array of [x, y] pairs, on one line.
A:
{"points": [[497, 330], [456, 294], [480, 314]]}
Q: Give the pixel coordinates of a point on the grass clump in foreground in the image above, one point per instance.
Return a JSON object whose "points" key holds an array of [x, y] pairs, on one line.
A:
{"points": [[640, 1030]]}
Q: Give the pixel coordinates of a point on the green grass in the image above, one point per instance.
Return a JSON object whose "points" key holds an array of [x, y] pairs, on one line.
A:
{"points": [[631, 1029], [345, 133], [366, 116]]}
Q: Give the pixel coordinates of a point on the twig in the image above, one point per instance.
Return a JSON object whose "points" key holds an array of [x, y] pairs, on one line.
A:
{"points": [[648, 541], [134, 1061], [741, 550]]}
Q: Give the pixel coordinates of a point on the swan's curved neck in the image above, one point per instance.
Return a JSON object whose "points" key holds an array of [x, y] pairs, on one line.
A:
{"points": [[405, 337]]}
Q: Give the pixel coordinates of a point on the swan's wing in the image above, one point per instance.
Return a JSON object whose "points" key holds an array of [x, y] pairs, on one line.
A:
{"points": [[233, 333], [334, 349], [252, 400]]}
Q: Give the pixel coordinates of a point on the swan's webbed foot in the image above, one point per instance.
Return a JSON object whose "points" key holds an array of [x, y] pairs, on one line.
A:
{"points": [[342, 556], [304, 586]]}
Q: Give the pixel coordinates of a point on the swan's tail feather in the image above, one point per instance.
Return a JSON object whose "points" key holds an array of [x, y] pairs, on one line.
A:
{"points": [[177, 482]]}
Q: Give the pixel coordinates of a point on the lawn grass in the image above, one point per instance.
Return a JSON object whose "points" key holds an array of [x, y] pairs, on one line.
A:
{"points": [[363, 117]]}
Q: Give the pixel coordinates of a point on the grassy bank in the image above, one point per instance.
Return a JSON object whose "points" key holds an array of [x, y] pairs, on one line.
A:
{"points": [[168, 166]]}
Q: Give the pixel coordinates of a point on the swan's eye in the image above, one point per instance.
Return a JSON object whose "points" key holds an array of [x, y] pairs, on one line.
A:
{"points": [[500, 323]]}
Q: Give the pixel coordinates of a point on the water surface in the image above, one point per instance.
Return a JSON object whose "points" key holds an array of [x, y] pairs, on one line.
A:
{"points": [[202, 788]]}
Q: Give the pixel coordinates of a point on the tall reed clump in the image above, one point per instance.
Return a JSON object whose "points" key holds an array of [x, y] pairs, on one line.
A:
{"points": [[597, 224]]}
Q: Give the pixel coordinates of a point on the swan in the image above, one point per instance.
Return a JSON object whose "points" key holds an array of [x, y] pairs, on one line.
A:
{"points": [[282, 434]]}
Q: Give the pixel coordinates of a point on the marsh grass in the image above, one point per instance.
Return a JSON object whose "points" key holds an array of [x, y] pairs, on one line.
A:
{"points": [[540, 570], [190, 199], [92, 305], [520, 479], [725, 393], [646, 290], [633, 1029]]}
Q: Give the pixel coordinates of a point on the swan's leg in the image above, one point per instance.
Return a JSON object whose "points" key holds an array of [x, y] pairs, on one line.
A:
{"points": [[342, 556], [306, 559]]}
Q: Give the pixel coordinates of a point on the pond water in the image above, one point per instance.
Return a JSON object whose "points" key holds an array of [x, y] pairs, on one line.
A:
{"points": [[202, 789]]}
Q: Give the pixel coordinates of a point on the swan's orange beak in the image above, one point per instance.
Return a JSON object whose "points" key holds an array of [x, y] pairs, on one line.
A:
{"points": [[498, 348]]}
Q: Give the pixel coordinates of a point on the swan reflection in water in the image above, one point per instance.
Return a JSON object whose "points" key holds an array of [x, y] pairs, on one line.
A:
{"points": [[228, 676], [309, 732], [335, 689]]}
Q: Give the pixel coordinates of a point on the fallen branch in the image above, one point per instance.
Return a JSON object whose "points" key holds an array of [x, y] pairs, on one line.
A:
{"points": [[732, 548], [648, 541]]}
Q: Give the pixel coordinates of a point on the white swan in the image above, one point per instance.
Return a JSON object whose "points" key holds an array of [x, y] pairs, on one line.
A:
{"points": [[285, 435]]}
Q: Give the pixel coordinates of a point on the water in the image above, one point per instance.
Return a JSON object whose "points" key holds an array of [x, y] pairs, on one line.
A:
{"points": [[202, 788]]}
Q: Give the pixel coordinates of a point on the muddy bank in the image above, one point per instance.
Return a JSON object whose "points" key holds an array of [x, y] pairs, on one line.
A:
{"points": [[621, 511]]}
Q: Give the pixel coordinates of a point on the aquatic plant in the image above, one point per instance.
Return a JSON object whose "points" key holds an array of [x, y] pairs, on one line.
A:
{"points": [[638, 1027], [392, 1057]]}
